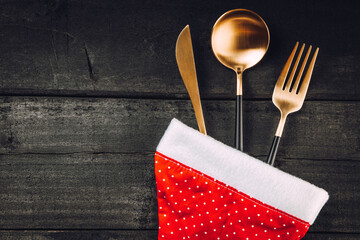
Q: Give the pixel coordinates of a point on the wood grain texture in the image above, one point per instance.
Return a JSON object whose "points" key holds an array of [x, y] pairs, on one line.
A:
{"points": [[129, 235], [88, 88], [78, 191], [321, 130], [122, 48], [118, 191], [80, 235]]}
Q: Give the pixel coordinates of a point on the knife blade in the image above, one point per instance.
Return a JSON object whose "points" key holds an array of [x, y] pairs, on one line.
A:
{"points": [[186, 64]]}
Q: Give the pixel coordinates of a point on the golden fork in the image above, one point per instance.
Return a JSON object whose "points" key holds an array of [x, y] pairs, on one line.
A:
{"points": [[288, 98]]}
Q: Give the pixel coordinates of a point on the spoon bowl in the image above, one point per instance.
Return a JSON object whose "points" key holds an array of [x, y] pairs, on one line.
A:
{"points": [[239, 40]]}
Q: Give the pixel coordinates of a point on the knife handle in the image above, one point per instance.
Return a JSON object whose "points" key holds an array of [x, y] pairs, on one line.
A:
{"points": [[199, 117], [194, 94]]}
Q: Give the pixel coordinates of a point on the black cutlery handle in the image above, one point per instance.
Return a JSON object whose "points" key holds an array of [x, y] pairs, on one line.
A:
{"points": [[239, 124], [273, 150]]}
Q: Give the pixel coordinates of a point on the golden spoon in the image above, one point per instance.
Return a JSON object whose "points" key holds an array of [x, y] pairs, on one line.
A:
{"points": [[239, 40]]}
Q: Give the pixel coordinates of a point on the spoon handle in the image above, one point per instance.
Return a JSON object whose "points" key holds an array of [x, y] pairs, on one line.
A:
{"points": [[239, 124], [239, 112]]}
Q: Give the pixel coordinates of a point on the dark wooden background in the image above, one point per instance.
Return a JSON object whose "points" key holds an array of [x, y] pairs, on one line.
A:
{"points": [[88, 88]]}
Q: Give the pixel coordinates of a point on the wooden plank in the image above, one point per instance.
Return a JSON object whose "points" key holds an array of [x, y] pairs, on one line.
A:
{"points": [[66, 235], [78, 191], [118, 191], [122, 48], [131, 235], [331, 236], [321, 130]]}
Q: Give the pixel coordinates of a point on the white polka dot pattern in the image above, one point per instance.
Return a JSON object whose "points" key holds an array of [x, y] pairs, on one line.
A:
{"points": [[193, 205]]}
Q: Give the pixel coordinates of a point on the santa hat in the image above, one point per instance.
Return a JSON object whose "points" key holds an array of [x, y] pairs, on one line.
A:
{"points": [[207, 190]]}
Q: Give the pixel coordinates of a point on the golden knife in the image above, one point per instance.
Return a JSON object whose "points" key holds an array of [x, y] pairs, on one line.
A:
{"points": [[186, 63]]}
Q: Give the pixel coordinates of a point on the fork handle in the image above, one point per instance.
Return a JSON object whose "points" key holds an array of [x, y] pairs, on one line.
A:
{"points": [[239, 124], [273, 150]]}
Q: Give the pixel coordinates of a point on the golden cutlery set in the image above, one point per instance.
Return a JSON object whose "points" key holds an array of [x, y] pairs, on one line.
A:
{"points": [[239, 40]]}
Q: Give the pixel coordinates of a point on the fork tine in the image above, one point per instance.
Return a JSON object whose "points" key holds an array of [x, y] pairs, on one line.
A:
{"points": [[284, 72], [306, 81], [296, 84], [288, 84]]}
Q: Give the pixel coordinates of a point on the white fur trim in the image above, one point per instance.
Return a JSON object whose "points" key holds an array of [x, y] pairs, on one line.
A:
{"points": [[243, 172]]}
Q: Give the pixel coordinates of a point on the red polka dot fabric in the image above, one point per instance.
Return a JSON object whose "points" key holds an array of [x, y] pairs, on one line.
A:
{"points": [[193, 205]]}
